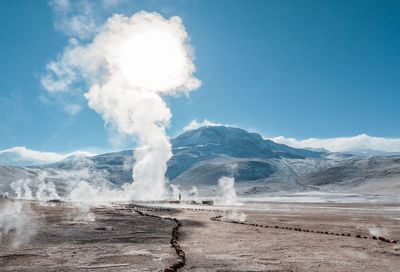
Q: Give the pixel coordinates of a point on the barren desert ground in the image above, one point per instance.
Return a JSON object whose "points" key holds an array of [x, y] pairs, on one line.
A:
{"points": [[274, 237]]}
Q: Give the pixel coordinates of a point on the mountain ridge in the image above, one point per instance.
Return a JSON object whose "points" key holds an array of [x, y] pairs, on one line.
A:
{"points": [[202, 156]]}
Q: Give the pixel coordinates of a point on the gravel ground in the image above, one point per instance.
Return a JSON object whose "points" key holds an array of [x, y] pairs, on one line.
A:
{"points": [[67, 239], [223, 246], [114, 238]]}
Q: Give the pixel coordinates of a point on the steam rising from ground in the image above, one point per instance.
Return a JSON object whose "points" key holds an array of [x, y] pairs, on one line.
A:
{"points": [[176, 192], [234, 216], [229, 197], [129, 67], [36, 188], [193, 193], [378, 231], [227, 187], [16, 223], [228, 191]]}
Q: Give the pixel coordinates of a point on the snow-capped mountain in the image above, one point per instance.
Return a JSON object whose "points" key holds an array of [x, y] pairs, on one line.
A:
{"points": [[210, 143], [202, 156]]}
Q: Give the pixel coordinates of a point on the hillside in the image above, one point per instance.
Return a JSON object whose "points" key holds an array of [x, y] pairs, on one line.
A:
{"points": [[202, 156], [361, 175]]}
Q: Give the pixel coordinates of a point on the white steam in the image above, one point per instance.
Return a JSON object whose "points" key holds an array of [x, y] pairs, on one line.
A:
{"points": [[234, 216], [228, 192], [17, 225], [193, 193], [378, 231], [129, 66], [176, 192], [35, 188], [228, 196]]}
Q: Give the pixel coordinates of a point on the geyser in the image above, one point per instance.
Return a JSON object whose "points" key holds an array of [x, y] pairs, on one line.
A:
{"points": [[129, 66]]}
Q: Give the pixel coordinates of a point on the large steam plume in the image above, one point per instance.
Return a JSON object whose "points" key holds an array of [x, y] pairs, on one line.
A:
{"points": [[129, 66]]}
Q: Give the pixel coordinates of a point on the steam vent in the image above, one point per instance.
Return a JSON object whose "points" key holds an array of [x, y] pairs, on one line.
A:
{"points": [[201, 136]]}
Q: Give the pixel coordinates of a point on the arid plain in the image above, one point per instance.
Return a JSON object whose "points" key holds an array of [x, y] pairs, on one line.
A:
{"points": [[273, 237]]}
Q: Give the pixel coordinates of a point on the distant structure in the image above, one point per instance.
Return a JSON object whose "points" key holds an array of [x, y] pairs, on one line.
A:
{"points": [[207, 202], [57, 201], [180, 197]]}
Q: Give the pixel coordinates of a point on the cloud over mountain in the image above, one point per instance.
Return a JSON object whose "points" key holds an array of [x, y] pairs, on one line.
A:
{"points": [[344, 144], [21, 156], [194, 124]]}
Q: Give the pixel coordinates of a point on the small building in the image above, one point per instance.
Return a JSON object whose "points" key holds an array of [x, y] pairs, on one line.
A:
{"points": [[207, 202]]}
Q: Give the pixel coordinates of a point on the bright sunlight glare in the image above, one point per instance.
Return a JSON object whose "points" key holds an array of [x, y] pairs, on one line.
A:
{"points": [[153, 60]]}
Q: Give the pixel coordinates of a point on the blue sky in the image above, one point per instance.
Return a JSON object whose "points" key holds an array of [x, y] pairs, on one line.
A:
{"points": [[299, 69]]}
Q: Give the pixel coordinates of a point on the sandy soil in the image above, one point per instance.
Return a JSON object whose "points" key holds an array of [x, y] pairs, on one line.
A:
{"points": [[222, 246], [67, 241]]}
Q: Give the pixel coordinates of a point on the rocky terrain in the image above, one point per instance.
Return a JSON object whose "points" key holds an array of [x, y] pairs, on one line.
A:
{"points": [[67, 237], [273, 237]]}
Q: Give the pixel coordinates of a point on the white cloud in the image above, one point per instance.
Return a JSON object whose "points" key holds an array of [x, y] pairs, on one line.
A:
{"points": [[82, 19], [206, 123], [20, 155], [112, 3], [72, 108], [75, 19], [343, 144]]}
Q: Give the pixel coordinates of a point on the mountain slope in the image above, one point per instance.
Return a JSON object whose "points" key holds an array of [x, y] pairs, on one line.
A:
{"points": [[202, 156], [219, 147], [358, 173], [207, 143]]}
